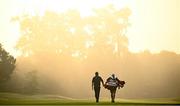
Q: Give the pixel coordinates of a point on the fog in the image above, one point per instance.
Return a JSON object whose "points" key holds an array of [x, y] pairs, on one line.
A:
{"points": [[147, 75], [62, 51]]}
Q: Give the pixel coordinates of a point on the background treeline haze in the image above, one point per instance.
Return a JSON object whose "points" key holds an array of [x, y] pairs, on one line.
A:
{"points": [[60, 52]]}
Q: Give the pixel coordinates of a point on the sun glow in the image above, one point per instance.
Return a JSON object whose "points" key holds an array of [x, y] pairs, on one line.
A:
{"points": [[141, 33], [10, 31], [84, 6]]}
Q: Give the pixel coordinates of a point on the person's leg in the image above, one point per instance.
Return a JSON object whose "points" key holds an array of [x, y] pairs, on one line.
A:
{"points": [[114, 94], [111, 95], [97, 91], [96, 94]]}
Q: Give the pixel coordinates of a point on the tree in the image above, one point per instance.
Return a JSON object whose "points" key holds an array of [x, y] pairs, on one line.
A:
{"points": [[70, 34], [7, 64], [109, 27], [31, 86]]}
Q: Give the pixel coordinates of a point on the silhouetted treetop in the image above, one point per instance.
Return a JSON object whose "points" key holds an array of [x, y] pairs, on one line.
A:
{"points": [[70, 34], [7, 64]]}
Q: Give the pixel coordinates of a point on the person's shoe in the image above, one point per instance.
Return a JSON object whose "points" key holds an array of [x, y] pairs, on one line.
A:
{"points": [[112, 101], [97, 101]]}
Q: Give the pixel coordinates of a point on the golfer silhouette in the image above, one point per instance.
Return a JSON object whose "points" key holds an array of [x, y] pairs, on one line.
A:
{"points": [[96, 85]]}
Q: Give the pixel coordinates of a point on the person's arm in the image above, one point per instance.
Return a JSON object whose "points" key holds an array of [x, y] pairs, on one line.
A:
{"points": [[102, 82], [107, 80], [92, 83]]}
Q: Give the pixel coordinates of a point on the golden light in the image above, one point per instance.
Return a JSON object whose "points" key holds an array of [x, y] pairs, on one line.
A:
{"points": [[10, 31], [138, 34], [84, 6]]}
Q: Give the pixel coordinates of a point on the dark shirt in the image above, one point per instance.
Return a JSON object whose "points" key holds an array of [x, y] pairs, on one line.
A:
{"points": [[97, 81]]}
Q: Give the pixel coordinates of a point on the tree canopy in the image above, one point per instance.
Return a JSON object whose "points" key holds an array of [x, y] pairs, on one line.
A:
{"points": [[7, 64], [69, 33]]}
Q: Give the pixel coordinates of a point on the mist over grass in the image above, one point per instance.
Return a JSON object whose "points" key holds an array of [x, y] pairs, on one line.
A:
{"points": [[147, 75]]}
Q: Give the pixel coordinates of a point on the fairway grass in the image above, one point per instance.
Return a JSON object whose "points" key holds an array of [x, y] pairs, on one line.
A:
{"points": [[18, 99]]}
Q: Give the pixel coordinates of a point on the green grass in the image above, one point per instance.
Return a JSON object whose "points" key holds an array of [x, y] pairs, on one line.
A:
{"points": [[19, 99]]}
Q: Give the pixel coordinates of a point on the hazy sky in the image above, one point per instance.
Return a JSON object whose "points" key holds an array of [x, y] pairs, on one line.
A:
{"points": [[155, 24]]}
